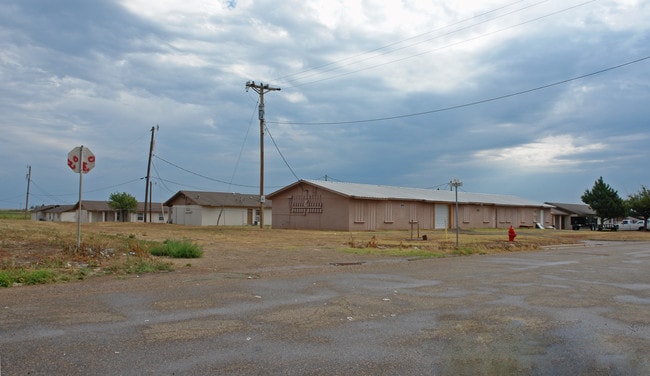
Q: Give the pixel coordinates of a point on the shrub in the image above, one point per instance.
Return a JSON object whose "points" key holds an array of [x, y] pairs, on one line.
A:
{"points": [[177, 249]]}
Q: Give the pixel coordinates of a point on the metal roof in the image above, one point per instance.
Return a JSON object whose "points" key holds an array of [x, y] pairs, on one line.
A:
{"points": [[579, 209], [384, 192], [218, 199]]}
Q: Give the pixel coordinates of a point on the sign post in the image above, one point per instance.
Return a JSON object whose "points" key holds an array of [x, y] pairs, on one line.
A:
{"points": [[81, 160]]}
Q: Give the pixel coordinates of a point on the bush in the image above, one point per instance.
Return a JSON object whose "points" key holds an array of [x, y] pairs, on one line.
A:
{"points": [[177, 249]]}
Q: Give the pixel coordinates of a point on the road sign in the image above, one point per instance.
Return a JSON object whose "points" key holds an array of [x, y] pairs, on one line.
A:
{"points": [[81, 159]]}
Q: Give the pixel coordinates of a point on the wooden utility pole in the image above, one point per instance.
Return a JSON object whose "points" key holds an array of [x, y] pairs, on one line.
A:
{"points": [[29, 179], [146, 191], [261, 89]]}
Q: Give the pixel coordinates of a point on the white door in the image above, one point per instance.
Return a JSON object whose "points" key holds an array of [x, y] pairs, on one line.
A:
{"points": [[442, 216]]}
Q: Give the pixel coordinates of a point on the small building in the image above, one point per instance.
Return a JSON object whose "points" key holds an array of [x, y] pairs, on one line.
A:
{"points": [[54, 213], [198, 208], [97, 211], [573, 216], [327, 205]]}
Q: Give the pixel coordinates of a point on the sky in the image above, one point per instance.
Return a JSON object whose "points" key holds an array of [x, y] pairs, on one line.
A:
{"points": [[536, 99]]}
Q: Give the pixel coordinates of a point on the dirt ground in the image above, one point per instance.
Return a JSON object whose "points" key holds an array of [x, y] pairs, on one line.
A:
{"points": [[270, 302], [240, 249]]}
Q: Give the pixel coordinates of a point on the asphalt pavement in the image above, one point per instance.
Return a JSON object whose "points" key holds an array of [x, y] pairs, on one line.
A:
{"points": [[581, 310]]}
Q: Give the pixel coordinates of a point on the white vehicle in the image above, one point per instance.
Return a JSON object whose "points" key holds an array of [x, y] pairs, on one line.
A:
{"points": [[631, 224]]}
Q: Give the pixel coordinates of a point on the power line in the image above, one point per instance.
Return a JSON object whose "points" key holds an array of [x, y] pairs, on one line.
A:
{"points": [[241, 150], [58, 197], [160, 179], [445, 46], [469, 104], [384, 47], [281, 155], [201, 175]]}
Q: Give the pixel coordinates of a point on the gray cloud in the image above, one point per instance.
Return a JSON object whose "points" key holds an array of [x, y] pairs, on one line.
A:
{"points": [[102, 73]]}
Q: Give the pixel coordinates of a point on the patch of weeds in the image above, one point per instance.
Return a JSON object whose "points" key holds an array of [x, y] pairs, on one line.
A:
{"points": [[463, 251], [82, 273], [177, 249], [395, 252], [137, 265], [26, 276], [5, 279]]}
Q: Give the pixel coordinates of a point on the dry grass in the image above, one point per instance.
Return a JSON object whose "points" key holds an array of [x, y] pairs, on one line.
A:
{"points": [[27, 243]]}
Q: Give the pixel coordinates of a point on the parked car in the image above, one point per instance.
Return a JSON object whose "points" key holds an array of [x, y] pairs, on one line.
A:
{"points": [[631, 224]]}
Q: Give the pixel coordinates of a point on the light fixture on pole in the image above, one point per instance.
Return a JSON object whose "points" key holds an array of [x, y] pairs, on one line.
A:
{"points": [[456, 183]]}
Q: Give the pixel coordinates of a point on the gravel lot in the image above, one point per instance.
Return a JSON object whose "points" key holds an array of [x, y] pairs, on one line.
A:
{"points": [[563, 311]]}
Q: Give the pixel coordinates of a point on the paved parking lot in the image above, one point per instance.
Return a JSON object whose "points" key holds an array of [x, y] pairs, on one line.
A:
{"points": [[568, 311]]}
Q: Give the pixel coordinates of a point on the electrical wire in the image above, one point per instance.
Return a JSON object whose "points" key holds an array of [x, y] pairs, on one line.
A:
{"points": [[279, 152], [201, 175], [162, 182], [112, 186], [469, 104], [241, 150], [57, 198], [317, 69], [443, 47]]}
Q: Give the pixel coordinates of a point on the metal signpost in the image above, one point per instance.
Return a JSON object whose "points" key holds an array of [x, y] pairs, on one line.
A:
{"points": [[81, 160]]}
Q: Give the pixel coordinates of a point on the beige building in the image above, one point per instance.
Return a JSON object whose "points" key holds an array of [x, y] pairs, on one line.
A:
{"points": [[199, 208], [327, 205], [573, 216], [98, 211]]}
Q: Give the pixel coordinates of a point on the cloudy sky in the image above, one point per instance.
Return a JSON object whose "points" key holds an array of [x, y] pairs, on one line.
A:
{"points": [[531, 98]]}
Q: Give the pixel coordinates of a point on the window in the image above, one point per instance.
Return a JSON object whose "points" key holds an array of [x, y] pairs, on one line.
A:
{"points": [[413, 213], [486, 214], [359, 215], [466, 214], [388, 213], [504, 215]]}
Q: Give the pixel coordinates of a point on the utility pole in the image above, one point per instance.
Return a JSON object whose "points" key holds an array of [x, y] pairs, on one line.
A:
{"points": [[261, 89], [146, 191], [456, 183], [29, 179]]}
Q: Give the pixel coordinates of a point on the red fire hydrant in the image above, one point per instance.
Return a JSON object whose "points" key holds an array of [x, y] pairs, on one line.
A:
{"points": [[511, 234]]}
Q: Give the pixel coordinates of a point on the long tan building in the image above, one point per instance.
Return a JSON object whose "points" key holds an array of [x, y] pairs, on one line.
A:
{"points": [[328, 205]]}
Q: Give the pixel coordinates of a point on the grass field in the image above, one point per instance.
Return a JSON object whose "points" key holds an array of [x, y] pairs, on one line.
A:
{"points": [[49, 249], [13, 214]]}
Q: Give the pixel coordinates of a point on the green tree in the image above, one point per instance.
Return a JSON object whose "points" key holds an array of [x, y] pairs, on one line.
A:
{"points": [[639, 204], [605, 201], [123, 202]]}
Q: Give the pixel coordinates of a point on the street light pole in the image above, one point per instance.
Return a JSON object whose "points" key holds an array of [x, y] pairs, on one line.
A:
{"points": [[456, 183]]}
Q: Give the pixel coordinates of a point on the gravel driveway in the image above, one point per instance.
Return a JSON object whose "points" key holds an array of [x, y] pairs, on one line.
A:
{"points": [[568, 311]]}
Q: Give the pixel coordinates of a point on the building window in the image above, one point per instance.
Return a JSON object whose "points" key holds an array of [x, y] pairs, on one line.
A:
{"points": [[388, 213], [466, 214], [140, 217], [304, 204], [359, 215], [505, 215]]}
